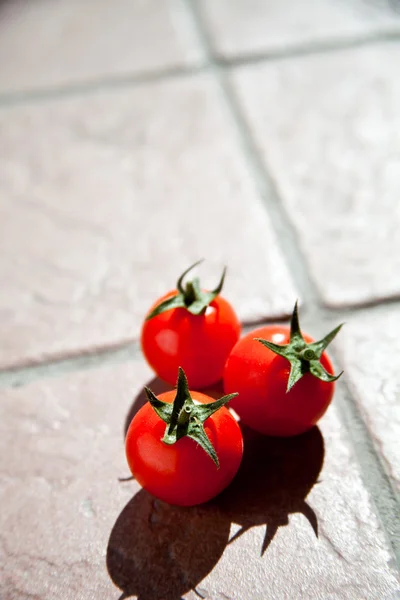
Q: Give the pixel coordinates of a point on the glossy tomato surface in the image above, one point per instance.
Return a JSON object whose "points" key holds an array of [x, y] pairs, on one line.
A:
{"points": [[183, 473], [260, 377], [200, 344]]}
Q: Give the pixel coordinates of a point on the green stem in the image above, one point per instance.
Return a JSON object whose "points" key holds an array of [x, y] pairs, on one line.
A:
{"points": [[308, 354], [184, 415], [189, 294]]}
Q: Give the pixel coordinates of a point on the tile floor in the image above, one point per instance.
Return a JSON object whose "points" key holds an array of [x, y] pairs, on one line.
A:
{"points": [[135, 138]]}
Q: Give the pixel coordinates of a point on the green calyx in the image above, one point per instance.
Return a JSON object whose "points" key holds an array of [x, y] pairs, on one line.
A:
{"points": [[303, 357], [190, 296], [185, 418]]}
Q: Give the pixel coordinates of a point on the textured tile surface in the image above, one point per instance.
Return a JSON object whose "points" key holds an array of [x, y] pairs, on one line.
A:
{"points": [[61, 455], [293, 496], [107, 199], [66, 520], [369, 347], [247, 26], [328, 129], [45, 44]]}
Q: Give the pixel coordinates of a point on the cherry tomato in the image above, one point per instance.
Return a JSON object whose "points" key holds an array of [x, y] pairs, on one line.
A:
{"points": [[284, 388], [193, 329], [191, 452]]}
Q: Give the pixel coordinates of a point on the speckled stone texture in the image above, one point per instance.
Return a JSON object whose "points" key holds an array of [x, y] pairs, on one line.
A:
{"points": [[107, 199], [137, 137], [328, 129], [61, 456], [69, 528], [72, 42], [245, 27], [369, 347]]}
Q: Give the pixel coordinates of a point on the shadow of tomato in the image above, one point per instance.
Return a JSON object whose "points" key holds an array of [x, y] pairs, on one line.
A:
{"points": [[273, 482], [160, 551]]}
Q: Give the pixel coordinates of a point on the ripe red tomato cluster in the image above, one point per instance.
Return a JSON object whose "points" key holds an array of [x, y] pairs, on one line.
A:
{"points": [[184, 447]]}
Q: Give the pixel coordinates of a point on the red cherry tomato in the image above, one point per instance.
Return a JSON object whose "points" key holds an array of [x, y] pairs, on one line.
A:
{"points": [[199, 343], [260, 377], [183, 473]]}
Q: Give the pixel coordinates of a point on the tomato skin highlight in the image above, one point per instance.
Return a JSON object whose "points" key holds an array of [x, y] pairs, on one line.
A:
{"points": [[260, 377], [200, 344], [182, 473]]}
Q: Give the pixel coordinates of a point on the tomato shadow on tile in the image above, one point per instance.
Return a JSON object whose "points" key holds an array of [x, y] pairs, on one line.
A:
{"points": [[273, 482], [156, 550], [160, 551], [275, 476]]}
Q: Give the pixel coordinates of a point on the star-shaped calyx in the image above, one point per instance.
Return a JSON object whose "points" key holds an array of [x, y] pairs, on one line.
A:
{"points": [[184, 417], [303, 357], [191, 297]]}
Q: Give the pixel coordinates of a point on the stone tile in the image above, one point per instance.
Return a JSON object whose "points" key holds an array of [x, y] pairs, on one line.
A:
{"points": [[61, 455], [328, 130], [107, 199], [65, 517], [242, 27], [370, 346], [279, 513], [70, 41]]}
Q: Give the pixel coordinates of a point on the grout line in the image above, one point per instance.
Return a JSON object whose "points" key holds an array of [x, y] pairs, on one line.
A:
{"points": [[99, 85], [329, 312], [112, 82], [54, 366], [286, 235], [373, 472], [307, 49], [365, 305], [371, 468], [19, 376]]}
